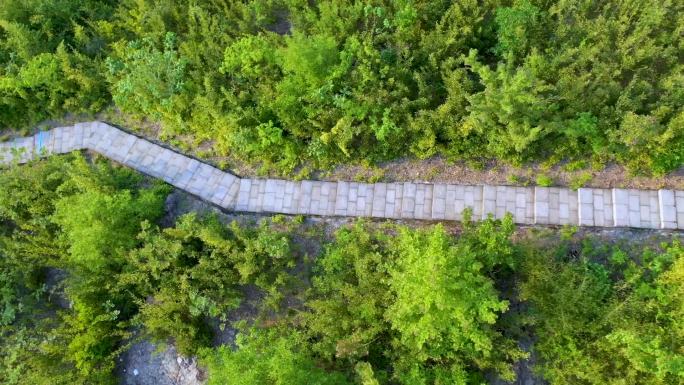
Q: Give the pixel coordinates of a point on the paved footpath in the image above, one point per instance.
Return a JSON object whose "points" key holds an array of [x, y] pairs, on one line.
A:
{"points": [[661, 209]]}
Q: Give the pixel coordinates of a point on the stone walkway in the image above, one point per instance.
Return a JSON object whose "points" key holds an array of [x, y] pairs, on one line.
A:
{"points": [[662, 209]]}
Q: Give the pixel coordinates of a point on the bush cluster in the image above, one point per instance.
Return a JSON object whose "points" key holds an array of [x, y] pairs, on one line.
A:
{"points": [[287, 82], [97, 224]]}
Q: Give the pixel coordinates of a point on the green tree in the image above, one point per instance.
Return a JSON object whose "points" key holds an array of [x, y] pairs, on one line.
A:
{"points": [[350, 289], [446, 304], [418, 306]]}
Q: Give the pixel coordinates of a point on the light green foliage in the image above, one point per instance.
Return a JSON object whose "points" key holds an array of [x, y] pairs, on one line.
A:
{"points": [[619, 323], [544, 180], [50, 55], [99, 226], [268, 357], [390, 307], [581, 180], [446, 304]]}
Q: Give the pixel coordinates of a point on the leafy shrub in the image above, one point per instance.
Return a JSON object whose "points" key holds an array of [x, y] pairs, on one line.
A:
{"points": [[604, 324], [544, 180], [388, 304], [267, 357], [193, 271]]}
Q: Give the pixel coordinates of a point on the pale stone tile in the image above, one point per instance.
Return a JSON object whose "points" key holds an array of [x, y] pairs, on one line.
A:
{"points": [[218, 195], [122, 146], [451, 195], [230, 200], [291, 197], [529, 208], [472, 198], [256, 195], [679, 203], [279, 204], [174, 174], [395, 205], [379, 200], [489, 201], [137, 152], [330, 191], [199, 181], [269, 195], [554, 205], [305, 197], [342, 198], [650, 217], [439, 195], [408, 202], [586, 205], [667, 209], [621, 215], [213, 191], [364, 202], [243, 195], [77, 135], [423, 208], [321, 202], [634, 208], [541, 205], [82, 131], [634, 218]]}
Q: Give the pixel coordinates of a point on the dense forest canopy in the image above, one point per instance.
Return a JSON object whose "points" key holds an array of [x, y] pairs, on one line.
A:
{"points": [[286, 82]]}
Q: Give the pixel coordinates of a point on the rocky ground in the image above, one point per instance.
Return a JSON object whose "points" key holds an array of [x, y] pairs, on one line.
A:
{"points": [[147, 364]]}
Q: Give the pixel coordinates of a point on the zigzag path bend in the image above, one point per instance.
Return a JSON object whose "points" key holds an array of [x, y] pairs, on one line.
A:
{"points": [[653, 209]]}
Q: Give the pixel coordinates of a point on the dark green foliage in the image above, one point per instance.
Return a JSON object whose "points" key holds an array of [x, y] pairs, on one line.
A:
{"points": [[95, 222], [193, 271], [51, 59], [148, 81], [285, 83]]}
